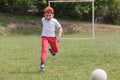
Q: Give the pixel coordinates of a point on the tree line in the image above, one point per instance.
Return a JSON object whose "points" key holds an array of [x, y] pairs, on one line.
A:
{"points": [[107, 11]]}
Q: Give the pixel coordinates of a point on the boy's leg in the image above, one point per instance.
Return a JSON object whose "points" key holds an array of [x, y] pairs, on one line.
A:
{"points": [[53, 43], [44, 51]]}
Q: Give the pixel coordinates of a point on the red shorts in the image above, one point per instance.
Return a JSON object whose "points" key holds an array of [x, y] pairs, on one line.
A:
{"points": [[45, 42]]}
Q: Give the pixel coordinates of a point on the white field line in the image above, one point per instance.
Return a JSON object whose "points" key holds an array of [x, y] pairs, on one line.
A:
{"points": [[77, 38]]}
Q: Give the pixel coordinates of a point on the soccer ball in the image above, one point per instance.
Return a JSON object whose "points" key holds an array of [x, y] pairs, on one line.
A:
{"points": [[99, 74]]}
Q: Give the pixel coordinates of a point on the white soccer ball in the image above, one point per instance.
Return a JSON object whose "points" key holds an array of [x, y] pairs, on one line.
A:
{"points": [[99, 74]]}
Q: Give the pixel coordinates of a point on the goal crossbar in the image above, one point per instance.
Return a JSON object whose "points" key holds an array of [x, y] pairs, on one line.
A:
{"points": [[71, 0], [92, 1]]}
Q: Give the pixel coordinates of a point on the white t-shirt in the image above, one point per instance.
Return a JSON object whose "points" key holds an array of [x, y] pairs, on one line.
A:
{"points": [[49, 27]]}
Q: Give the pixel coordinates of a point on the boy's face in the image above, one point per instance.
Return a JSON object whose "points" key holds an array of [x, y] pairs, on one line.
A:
{"points": [[48, 15]]}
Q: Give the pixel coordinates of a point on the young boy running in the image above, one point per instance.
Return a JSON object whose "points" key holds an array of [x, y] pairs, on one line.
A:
{"points": [[48, 35]]}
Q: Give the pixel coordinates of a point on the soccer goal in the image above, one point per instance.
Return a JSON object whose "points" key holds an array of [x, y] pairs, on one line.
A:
{"points": [[92, 27]]}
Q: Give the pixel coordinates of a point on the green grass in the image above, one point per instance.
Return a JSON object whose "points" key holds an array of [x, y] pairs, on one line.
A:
{"points": [[19, 58]]}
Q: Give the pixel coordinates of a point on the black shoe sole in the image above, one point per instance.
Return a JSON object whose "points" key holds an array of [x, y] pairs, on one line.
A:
{"points": [[53, 54]]}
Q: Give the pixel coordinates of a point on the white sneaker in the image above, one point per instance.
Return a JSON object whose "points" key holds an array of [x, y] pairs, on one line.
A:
{"points": [[42, 67]]}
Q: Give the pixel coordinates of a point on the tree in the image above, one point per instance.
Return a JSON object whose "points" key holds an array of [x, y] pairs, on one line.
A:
{"points": [[114, 12], [107, 9]]}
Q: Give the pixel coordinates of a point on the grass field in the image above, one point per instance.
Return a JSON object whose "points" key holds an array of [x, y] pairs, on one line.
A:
{"points": [[19, 58]]}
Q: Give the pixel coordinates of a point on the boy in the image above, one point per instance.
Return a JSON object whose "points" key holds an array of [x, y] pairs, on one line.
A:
{"points": [[48, 35]]}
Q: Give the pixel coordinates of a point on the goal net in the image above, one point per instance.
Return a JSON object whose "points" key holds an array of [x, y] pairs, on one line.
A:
{"points": [[92, 33]]}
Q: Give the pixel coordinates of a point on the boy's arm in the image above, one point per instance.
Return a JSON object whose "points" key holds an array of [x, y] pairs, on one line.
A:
{"points": [[59, 33]]}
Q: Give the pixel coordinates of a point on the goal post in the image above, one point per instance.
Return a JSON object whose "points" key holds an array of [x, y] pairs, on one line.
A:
{"points": [[92, 2]]}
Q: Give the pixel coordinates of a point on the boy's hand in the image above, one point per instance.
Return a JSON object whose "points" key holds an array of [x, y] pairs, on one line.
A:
{"points": [[58, 38]]}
